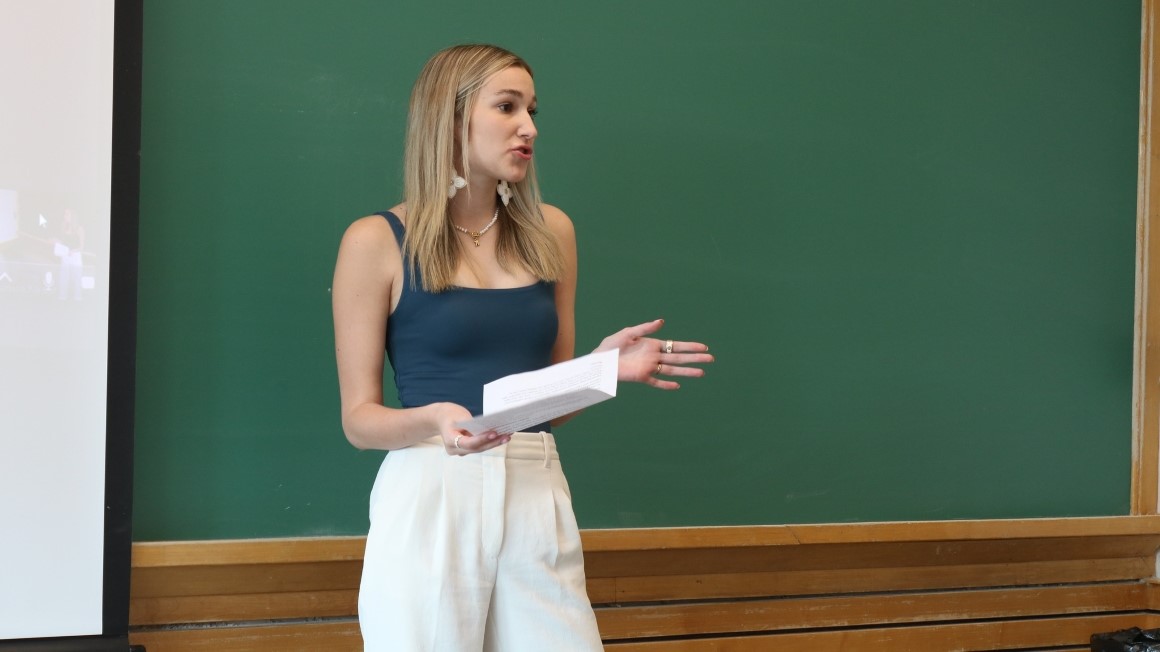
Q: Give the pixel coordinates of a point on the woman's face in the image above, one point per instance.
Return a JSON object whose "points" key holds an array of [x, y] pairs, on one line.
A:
{"points": [[502, 130]]}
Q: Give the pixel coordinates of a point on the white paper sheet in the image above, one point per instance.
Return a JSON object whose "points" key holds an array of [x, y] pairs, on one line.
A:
{"points": [[515, 402]]}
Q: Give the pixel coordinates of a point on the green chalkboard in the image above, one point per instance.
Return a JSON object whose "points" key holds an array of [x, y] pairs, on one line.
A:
{"points": [[905, 227]]}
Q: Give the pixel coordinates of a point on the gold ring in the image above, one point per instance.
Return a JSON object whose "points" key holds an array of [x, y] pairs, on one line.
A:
{"points": [[658, 371]]}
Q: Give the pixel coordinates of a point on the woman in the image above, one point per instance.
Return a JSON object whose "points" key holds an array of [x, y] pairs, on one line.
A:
{"points": [[472, 544]]}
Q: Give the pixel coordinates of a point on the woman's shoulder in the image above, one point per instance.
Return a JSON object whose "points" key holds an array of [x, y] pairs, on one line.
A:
{"points": [[395, 214], [557, 221], [375, 231]]}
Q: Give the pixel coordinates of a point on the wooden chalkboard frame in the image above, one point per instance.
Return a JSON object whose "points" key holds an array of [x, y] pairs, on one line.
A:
{"points": [[1146, 371]]}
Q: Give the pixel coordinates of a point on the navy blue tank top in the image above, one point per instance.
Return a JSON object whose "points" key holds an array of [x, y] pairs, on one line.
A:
{"points": [[444, 346]]}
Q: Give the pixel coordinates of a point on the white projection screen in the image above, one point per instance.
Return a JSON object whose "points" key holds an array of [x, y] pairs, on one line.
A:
{"points": [[69, 136]]}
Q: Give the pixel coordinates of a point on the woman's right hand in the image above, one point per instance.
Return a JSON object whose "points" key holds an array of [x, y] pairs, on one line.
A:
{"points": [[457, 441]]}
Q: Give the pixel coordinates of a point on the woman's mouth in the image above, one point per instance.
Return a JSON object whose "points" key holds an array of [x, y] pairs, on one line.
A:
{"points": [[523, 152]]}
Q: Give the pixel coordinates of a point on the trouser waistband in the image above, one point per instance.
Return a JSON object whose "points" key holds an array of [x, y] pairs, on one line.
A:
{"points": [[523, 446]]}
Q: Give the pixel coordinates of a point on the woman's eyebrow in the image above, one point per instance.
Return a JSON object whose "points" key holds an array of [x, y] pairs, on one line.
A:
{"points": [[512, 91]]}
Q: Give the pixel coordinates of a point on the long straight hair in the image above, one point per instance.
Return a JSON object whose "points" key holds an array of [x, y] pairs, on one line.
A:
{"points": [[444, 95]]}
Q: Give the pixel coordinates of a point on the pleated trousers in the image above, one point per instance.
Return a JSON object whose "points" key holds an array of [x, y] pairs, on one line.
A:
{"points": [[480, 552]]}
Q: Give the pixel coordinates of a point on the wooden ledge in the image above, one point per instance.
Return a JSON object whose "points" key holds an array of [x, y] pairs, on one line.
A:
{"points": [[893, 532], [165, 554], [327, 549], [924, 583]]}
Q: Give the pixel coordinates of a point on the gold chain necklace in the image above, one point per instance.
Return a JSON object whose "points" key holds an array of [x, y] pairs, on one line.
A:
{"points": [[476, 235]]}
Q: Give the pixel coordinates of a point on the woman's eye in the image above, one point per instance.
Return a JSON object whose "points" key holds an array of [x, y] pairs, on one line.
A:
{"points": [[533, 112], [506, 107]]}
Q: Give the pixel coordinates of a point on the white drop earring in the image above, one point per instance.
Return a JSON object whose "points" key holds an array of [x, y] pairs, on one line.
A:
{"points": [[457, 182], [505, 192]]}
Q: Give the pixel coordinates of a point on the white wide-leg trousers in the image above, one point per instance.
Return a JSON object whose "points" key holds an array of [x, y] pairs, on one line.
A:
{"points": [[479, 552]]}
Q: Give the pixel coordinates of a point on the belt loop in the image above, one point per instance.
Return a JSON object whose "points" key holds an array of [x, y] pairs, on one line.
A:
{"points": [[544, 438]]}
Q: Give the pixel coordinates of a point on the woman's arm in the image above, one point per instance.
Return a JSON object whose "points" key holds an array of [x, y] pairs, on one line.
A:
{"points": [[560, 225], [368, 268], [565, 347]]}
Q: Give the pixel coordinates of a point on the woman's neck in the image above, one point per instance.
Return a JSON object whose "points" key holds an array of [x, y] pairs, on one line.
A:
{"points": [[473, 210]]}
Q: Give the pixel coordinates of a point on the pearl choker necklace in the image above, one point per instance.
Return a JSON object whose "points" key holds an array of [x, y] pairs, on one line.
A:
{"points": [[476, 235]]}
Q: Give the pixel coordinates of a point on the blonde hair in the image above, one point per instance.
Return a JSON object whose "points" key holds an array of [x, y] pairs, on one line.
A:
{"points": [[444, 94]]}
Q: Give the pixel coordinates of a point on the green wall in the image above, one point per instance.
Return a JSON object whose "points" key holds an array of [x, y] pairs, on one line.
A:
{"points": [[905, 227]]}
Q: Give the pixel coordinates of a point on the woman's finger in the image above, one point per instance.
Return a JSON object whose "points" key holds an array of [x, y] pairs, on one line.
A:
{"points": [[661, 384], [673, 370], [647, 328], [685, 358], [685, 347], [465, 443]]}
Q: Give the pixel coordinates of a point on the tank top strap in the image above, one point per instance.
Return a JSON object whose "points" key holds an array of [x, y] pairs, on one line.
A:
{"points": [[396, 226]]}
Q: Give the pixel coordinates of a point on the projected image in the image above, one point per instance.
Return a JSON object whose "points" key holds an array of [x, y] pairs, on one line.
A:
{"points": [[56, 117], [45, 253]]}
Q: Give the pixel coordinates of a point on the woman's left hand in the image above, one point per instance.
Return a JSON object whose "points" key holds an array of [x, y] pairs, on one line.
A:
{"points": [[643, 358]]}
